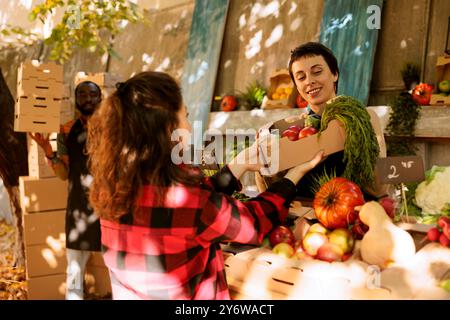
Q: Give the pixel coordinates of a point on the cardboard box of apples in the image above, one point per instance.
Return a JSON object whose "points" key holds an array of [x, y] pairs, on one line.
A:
{"points": [[442, 95], [298, 142]]}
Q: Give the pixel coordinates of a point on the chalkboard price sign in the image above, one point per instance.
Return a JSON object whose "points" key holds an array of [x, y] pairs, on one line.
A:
{"points": [[394, 170]]}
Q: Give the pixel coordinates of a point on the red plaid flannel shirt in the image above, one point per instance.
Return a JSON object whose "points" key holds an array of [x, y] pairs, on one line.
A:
{"points": [[173, 251]]}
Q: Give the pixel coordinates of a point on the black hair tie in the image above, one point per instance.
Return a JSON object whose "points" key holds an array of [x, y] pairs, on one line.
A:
{"points": [[120, 86]]}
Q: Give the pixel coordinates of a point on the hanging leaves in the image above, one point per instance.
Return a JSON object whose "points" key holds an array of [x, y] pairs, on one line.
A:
{"points": [[85, 24]]}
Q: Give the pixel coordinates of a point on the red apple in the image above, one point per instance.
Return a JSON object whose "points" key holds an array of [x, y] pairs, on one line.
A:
{"points": [[433, 234], [444, 223], [283, 249], [359, 228], [388, 205], [313, 241], [306, 132], [330, 252], [281, 234], [444, 240], [291, 133], [300, 102], [342, 238], [228, 103], [346, 256]]}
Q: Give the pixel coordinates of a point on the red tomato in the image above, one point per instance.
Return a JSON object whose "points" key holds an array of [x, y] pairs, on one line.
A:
{"points": [[228, 103], [300, 102], [306, 132], [335, 201], [422, 94]]}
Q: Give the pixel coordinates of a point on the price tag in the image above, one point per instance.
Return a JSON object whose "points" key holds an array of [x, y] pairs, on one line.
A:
{"points": [[394, 170]]}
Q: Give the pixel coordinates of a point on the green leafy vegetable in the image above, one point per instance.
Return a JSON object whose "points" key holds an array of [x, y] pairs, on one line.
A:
{"points": [[361, 148]]}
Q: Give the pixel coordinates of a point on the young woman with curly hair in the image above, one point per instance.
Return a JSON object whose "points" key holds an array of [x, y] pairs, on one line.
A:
{"points": [[162, 223]]}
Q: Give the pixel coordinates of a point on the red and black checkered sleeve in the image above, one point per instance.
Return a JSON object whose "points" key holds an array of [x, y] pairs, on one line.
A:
{"points": [[224, 218]]}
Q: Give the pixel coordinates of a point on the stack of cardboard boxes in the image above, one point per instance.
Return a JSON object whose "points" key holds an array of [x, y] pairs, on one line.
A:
{"points": [[39, 95], [43, 195], [43, 203]]}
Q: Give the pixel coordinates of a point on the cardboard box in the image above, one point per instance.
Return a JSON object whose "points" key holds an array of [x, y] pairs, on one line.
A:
{"points": [[40, 171], [44, 227], [31, 123], [442, 73], [97, 280], [38, 106], [46, 259], [293, 153], [40, 88], [280, 82], [47, 288], [32, 69], [42, 194]]}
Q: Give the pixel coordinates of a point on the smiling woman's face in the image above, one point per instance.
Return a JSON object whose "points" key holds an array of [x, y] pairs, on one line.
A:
{"points": [[314, 81]]}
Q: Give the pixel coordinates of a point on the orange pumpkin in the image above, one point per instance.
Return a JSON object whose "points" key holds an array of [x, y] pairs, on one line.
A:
{"points": [[335, 202]]}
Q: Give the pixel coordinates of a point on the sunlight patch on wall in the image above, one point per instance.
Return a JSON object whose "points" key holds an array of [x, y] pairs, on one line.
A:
{"points": [[164, 65], [254, 45], [296, 24], [258, 66], [337, 24], [147, 59], [104, 58], [275, 36], [26, 3], [293, 8], [200, 72], [403, 44], [242, 21], [357, 51], [272, 9], [227, 64]]}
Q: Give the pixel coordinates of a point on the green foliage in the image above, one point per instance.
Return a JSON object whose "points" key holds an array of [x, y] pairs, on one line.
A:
{"points": [[410, 74], [401, 126], [320, 179], [361, 148], [252, 97], [85, 24]]}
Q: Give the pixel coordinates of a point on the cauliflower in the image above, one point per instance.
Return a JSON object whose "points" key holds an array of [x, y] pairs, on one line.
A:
{"points": [[433, 194]]}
